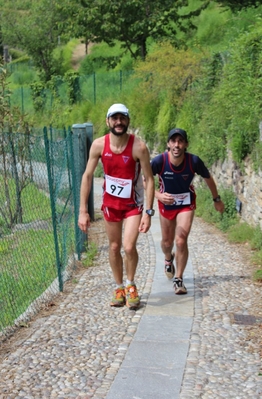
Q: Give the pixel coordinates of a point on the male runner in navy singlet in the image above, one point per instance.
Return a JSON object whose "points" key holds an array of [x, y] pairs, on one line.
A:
{"points": [[176, 197]]}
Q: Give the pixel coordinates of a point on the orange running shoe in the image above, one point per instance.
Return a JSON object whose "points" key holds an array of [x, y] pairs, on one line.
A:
{"points": [[132, 298], [119, 297]]}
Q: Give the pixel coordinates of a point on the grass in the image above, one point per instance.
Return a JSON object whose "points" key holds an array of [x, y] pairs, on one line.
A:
{"points": [[89, 255], [27, 269], [29, 262], [236, 231]]}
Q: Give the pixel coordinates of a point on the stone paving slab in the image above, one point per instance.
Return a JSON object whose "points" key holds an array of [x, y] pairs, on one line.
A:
{"points": [[154, 363]]}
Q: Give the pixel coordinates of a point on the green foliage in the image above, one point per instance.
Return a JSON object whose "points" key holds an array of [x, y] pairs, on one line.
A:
{"points": [[236, 5], [194, 88], [165, 118], [244, 233], [99, 170], [144, 108], [206, 210], [211, 20], [165, 77], [97, 22], [74, 91], [256, 156], [89, 255], [18, 56], [240, 233], [38, 90], [63, 55], [77, 113], [23, 60], [258, 273], [41, 202], [35, 31], [243, 71], [256, 240], [88, 66], [104, 57], [20, 286], [227, 95], [22, 76]]}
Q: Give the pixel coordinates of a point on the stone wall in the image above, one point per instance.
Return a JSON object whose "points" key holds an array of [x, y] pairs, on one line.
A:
{"points": [[246, 184]]}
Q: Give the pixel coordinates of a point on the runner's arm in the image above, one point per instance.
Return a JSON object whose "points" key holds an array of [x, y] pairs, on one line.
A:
{"points": [[86, 184], [213, 189], [142, 154]]}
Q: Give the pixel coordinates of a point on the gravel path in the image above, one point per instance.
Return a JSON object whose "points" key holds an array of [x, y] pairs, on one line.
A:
{"points": [[224, 359], [75, 349]]}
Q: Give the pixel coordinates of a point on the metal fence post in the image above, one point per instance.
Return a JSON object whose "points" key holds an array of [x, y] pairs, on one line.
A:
{"points": [[82, 140], [49, 162], [94, 85]]}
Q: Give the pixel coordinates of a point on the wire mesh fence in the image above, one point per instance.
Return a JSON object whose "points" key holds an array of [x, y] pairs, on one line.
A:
{"points": [[38, 234], [94, 87]]}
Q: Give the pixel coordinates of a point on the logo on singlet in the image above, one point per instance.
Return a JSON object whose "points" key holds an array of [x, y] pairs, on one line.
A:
{"points": [[125, 158], [107, 154], [185, 177]]}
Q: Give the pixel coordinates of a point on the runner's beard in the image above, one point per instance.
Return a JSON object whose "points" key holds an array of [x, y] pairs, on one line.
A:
{"points": [[112, 130]]}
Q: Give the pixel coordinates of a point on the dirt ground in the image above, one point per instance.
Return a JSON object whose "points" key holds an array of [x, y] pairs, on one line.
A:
{"points": [[79, 54]]}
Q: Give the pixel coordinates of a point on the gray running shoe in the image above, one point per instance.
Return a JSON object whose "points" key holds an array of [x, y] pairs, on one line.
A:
{"points": [[169, 267], [179, 286]]}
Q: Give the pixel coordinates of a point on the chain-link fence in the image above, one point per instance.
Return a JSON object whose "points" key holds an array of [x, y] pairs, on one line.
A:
{"points": [[92, 88], [38, 229]]}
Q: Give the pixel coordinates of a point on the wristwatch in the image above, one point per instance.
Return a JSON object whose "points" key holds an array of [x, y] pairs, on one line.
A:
{"points": [[217, 199], [150, 212]]}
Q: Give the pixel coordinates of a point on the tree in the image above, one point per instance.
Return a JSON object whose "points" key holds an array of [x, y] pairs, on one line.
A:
{"points": [[77, 22], [14, 153], [131, 22], [237, 5], [33, 29]]}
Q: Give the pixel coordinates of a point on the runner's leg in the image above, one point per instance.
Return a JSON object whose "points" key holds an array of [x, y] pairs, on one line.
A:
{"points": [[183, 226], [168, 236], [114, 234], [129, 244]]}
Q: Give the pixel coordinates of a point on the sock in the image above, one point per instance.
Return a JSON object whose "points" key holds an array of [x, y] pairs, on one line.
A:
{"points": [[171, 259], [128, 282], [119, 285]]}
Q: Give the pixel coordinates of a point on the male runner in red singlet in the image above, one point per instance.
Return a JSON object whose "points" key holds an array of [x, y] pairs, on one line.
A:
{"points": [[177, 201], [123, 155]]}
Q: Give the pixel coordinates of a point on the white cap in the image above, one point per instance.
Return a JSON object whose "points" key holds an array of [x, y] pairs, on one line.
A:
{"points": [[117, 109]]}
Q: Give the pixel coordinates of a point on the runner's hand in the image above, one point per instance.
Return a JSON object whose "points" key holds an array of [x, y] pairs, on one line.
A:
{"points": [[84, 221], [166, 199], [145, 223], [220, 207]]}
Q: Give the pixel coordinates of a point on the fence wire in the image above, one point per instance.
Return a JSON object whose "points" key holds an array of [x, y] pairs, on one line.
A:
{"points": [[37, 222], [93, 88]]}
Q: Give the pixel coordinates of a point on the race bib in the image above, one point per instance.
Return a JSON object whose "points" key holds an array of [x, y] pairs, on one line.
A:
{"points": [[120, 188], [182, 199]]}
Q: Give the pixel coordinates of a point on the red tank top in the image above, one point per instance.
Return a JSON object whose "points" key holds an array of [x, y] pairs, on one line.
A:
{"points": [[122, 177]]}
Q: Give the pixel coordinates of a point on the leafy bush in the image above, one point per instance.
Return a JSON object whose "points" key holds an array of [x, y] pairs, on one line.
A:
{"points": [[258, 273], [206, 210], [39, 95], [104, 57], [18, 55], [23, 76], [63, 56], [256, 238], [241, 233]]}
